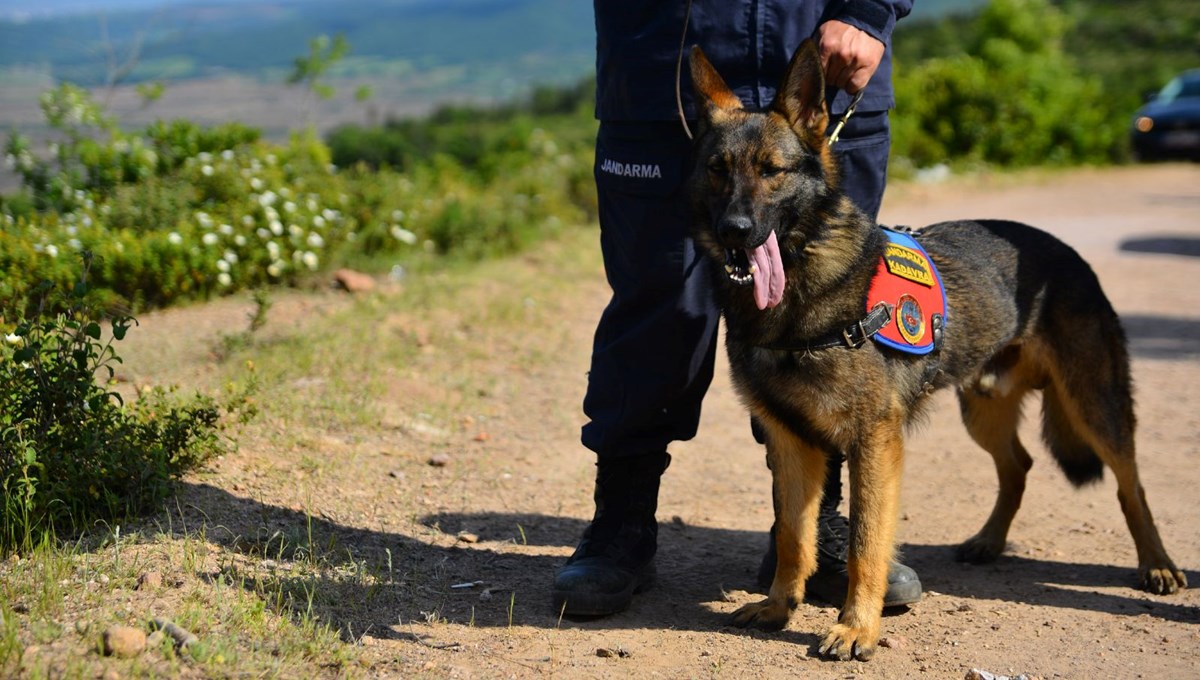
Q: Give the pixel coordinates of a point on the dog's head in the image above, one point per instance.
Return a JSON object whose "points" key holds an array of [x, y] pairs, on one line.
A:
{"points": [[760, 177]]}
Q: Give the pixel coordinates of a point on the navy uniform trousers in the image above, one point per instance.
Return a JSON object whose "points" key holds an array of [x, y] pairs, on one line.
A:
{"points": [[655, 344]]}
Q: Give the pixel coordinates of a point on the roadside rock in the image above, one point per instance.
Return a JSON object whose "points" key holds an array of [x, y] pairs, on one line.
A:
{"points": [[124, 641], [352, 281]]}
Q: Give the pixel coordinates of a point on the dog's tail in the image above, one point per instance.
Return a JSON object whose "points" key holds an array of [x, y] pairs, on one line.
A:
{"points": [[1087, 403], [1068, 445]]}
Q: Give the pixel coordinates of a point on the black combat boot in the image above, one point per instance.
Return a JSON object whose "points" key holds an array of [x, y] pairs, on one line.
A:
{"points": [[831, 581], [615, 557]]}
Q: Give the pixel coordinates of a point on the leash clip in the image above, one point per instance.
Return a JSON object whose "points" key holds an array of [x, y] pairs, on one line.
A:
{"points": [[833, 137]]}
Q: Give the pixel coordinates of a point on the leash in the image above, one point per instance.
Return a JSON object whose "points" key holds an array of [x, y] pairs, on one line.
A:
{"points": [[687, 20]]}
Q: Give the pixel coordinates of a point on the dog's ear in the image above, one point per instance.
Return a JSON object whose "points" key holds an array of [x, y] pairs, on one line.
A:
{"points": [[801, 96], [713, 96]]}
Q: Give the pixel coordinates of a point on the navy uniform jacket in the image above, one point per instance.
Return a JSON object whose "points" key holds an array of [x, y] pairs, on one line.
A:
{"points": [[652, 359], [748, 41]]}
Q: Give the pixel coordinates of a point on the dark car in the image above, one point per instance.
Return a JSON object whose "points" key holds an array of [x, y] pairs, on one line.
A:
{"points": [[1168, 126]]}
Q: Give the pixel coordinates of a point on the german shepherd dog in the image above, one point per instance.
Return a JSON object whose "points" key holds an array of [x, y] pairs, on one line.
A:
{"points": [[1023, 312]]}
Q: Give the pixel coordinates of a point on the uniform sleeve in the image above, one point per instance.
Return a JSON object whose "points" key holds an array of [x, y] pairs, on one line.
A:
{"points": [[876, 17]]}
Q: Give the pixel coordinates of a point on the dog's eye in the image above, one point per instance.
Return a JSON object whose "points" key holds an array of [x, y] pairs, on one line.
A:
{"points": [[717, 167], [771, 171]]}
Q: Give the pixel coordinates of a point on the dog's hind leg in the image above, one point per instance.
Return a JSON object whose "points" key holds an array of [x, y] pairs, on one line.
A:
{"points": [[1156, 572], [875, 470], [992, 421], [1108, 433], [797, 476]]}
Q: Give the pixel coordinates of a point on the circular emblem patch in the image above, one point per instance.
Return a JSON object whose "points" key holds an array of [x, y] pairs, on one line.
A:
{"points": [[909, 319]]}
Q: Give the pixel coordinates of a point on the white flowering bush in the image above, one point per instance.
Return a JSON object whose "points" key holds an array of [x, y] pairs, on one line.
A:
{"points": [[182, 212], [223, 235], [71, 451]]}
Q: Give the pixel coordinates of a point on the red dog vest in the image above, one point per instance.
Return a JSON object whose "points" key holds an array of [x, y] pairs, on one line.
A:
{"points": [[908, 283]]}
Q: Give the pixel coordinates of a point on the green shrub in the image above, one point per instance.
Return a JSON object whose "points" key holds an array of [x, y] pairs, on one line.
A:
{"points": [[216, 223], [480, 139], [183, 212], [176, 141], [72, 453], [1013, 98]]}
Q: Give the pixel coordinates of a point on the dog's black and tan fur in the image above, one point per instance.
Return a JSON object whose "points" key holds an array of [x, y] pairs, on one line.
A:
{"points": [[1025, 312]]}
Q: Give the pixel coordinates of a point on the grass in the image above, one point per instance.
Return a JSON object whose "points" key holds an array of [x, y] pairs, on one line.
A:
{"points": [[251, 558], [62, 598]]}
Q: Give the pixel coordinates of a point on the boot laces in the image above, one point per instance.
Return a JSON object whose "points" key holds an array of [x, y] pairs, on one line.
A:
{"points": [[833, 539]]}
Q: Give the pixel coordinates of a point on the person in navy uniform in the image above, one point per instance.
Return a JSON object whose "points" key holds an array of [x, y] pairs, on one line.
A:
{"points": [[656, 341]]}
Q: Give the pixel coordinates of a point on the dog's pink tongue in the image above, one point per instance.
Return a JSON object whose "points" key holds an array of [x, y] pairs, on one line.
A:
{"points": [[768, 273]]}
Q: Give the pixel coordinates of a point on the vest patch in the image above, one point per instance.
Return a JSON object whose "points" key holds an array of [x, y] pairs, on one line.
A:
{"points": [[908, 263], [908, 283], [909, 319], [635, 170]]}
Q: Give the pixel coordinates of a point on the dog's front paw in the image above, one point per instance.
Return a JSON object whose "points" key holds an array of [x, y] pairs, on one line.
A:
{"points": [[849, 642], [1162, 580], [767, 615], [979, 549]]}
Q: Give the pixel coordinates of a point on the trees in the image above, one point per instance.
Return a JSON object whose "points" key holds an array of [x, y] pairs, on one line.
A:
{"points": [[311, 70], [1011, 97]]}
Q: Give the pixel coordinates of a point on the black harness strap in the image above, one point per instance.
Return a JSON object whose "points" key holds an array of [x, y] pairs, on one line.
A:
{"points": [[851, 337]]}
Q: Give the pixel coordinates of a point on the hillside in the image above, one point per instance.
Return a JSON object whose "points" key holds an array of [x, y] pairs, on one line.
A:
{"points": [[490, 47], [223, 61]]}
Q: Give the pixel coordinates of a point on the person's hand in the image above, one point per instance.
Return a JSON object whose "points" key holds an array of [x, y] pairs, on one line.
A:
{"points": [[849, 55]]}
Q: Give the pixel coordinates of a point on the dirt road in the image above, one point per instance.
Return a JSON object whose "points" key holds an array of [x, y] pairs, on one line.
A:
{"points": [[475, 539], [1060, 603]]}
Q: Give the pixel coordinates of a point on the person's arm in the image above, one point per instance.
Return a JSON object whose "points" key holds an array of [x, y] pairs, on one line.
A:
{"points": [[853, 43]]}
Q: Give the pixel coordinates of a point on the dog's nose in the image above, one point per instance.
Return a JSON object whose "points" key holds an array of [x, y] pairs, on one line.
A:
{"points": [[735, 229]]}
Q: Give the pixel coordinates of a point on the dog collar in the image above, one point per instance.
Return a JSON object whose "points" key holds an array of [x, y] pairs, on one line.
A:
{"points": [[850, 337]]}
